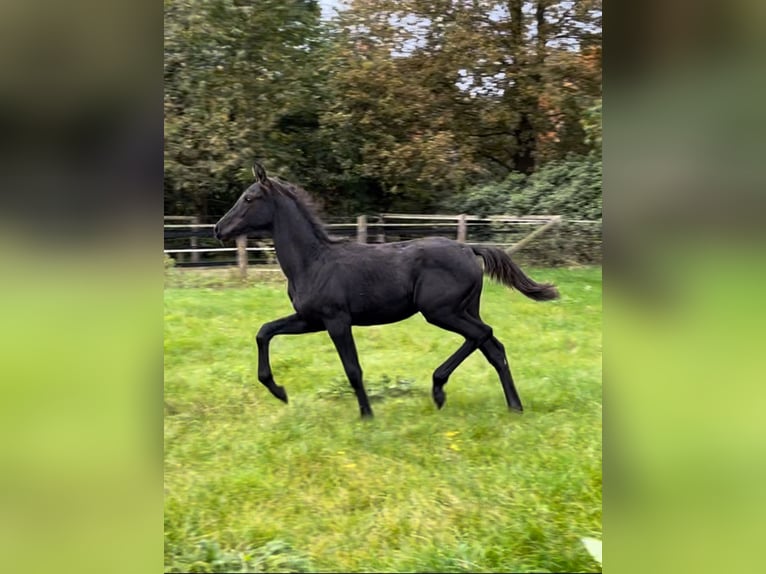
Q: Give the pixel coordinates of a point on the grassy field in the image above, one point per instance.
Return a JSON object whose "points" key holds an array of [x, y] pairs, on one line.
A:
{"points": [[254, 485]]}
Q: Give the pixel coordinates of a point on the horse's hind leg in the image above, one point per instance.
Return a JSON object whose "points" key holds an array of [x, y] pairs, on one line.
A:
{"points": [[494, 351], [478, 335], [475, 333], [443, 372]]}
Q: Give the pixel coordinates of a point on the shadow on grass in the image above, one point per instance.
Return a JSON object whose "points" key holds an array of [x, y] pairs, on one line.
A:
{"points": [[377, 391]]}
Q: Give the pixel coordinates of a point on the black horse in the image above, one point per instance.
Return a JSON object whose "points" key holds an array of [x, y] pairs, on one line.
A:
{"points": [[334, 284]]}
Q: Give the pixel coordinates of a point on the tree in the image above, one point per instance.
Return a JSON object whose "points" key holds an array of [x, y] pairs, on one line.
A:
{"points": [[396, 105], [433, 96], [237, 87], [570, 187]]}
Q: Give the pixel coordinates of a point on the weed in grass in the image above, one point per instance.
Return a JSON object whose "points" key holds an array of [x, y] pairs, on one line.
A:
{"points": [[377, 391]]}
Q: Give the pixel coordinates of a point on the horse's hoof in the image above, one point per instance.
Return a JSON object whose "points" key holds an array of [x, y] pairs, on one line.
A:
{"points": [[439, 397], [516, 408], [367, 415], [280, 393]]}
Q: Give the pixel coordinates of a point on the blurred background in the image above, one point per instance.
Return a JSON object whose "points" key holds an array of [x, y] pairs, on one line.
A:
{"points": [[83, 196]]}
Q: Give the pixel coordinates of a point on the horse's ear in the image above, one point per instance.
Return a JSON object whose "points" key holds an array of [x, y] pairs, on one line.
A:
{"points": [[259, 172]]}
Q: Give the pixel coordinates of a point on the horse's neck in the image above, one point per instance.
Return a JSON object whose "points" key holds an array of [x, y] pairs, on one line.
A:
{"points": [[295, 241]]}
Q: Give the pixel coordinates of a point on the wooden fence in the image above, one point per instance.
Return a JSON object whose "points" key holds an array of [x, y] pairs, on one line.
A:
{"points": [[377, 229]]}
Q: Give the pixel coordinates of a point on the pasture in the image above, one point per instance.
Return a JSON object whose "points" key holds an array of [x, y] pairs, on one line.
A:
{"points": [[252, 484]]}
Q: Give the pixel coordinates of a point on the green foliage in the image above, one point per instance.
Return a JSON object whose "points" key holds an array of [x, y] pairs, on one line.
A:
{"points": [[591, 124], [239, 84], [470, 487], [570, 187], [488, 199], [392, 106]]}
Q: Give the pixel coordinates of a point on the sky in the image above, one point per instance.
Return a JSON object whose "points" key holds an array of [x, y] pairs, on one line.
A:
{"points": [[328, 6]]}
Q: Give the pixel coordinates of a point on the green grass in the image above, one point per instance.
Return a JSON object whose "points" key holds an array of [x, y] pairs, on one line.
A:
{"points": [[252, 484]]}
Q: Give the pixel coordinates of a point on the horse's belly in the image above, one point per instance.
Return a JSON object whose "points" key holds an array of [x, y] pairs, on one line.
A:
{"points": [[379, 311], [377, 318]]}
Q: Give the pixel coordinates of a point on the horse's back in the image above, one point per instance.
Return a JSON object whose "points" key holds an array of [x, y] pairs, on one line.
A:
{"points": [[374, 285], [436, 271], [385, 283], [410, 258], [447, 273]]}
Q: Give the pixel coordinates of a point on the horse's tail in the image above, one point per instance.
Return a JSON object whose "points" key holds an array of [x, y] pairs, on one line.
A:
{"points": [[499, 265]]}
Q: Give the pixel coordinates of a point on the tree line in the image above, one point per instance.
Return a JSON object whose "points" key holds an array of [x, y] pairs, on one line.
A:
{"points": [[406, 105]]}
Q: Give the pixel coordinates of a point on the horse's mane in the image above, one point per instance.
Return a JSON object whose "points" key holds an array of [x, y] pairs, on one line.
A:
{"points": [[306, 205]]}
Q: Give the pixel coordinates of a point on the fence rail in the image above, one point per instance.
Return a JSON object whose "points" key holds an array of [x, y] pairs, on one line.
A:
{"points": [[542, 239]]}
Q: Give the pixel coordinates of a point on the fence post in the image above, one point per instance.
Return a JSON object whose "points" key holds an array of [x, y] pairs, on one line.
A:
{"points": [[242, 255], [555, 220], [462, 228], [195, 241], [381, 230], [556, 240], [361, 229]]}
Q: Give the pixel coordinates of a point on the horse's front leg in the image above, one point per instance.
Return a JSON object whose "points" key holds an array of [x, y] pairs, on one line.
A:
{"points": [[291, 325], [340, 333]]}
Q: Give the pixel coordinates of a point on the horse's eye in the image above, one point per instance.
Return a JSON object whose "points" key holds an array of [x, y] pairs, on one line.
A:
{"points": [[248, 199]]}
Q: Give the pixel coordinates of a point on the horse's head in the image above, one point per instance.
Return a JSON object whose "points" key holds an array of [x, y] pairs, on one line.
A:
{"points": [[253, 211]]}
